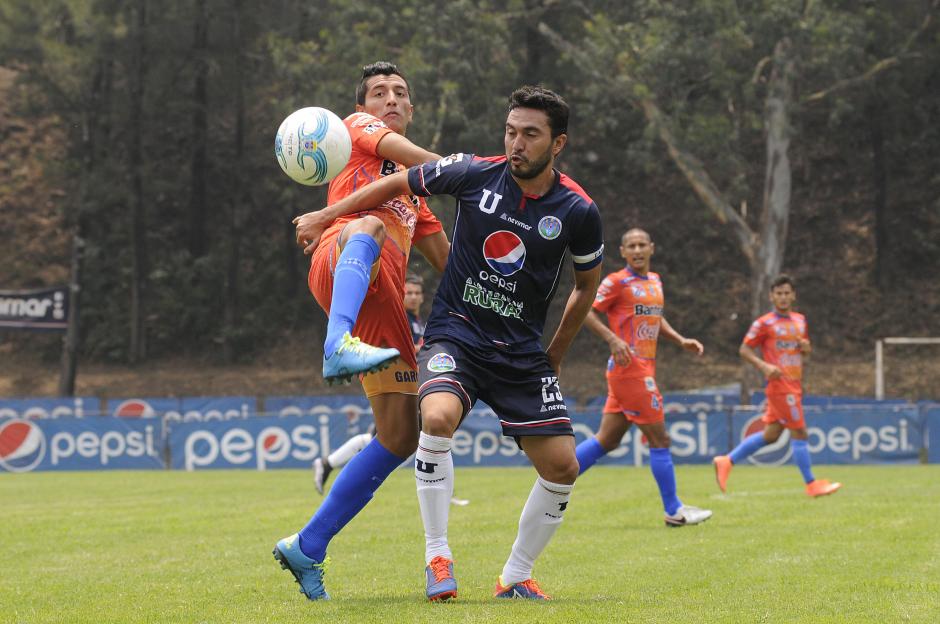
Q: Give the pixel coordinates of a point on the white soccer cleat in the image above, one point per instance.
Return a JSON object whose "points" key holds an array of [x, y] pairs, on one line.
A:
{"points": [[687, 515], [320, 473]]}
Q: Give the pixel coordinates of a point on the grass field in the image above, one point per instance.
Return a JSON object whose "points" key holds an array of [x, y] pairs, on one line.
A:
{"points": [[196, 547]]}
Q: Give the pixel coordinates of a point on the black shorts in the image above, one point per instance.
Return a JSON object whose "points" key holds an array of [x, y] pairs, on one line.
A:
{"points": [[521, 388]]}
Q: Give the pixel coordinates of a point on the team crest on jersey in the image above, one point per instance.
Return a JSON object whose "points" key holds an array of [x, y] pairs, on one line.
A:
{"points": [[504, 251], [791, 400], [441, 363], [550, 227], [650, 384]]}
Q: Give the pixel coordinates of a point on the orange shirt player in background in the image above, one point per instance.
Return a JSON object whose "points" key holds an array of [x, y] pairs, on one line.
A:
{"points": [[357, 274], [783, 340], [633, 300]]}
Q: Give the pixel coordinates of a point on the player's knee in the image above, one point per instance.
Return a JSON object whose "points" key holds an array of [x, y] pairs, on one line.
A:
{"points": [[371, 225], [563, 471], [608, 441], [437, 422], [400, 442], [660, 440], [771, 436]]}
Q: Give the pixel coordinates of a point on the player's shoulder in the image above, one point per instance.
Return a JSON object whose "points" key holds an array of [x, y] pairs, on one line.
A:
{"points": [[617, 277], [654, 277], [796, 316], [767, 319], [364, 121], [570, 186]]}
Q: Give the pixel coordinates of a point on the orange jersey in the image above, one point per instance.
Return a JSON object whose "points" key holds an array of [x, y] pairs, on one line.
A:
{"points": [[778, 338], [406, 218], [634, 307]]}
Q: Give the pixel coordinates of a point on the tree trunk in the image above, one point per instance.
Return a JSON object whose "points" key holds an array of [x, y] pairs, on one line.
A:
{"points": [[230, 314], [880, 181], [775, 216], [139, 268], [198, 167]]}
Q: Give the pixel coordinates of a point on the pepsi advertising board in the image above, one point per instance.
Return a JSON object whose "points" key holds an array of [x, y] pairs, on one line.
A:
{"points": [[79, 444], [33, 409], [842, 436]]}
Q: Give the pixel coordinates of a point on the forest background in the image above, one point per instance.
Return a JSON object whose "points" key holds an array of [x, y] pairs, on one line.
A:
{"points": [[748, 137]]}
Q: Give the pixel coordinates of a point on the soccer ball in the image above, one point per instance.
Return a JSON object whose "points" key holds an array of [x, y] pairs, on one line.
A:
{"points": [[312, 145]]}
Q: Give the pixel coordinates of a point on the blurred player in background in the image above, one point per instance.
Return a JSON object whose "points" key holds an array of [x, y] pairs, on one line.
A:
{"points": [[783, 340], [517, 220], [357, 274], [323, 466], [633, 300]]}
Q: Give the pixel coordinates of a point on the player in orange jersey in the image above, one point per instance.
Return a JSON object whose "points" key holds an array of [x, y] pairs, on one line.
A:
{"points": [[357, 275], [633, 300], [783, 340]]}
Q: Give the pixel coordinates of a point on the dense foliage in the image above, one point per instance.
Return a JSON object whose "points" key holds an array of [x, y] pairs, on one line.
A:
{"points": [[162, 117]]}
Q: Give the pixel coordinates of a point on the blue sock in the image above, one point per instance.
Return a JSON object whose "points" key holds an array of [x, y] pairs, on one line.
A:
{"points": [[353, 488], [665, 475], [802, 460], [588, 453], [750, 445], [350, 284]]}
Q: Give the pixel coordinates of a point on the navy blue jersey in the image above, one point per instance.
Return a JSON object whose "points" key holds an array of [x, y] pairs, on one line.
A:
{"points": [[507, 250]]}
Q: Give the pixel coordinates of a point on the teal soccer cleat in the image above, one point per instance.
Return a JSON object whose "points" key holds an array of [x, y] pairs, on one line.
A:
{"points": [[354, 357], [307, 572], [441, 584]]}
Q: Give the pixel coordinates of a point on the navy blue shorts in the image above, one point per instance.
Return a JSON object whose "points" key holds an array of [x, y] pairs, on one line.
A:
{"points": [[521, 388]]}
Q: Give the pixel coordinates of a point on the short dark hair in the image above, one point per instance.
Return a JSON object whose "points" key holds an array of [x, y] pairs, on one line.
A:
{"points": [[782, 279], [379, 68], [544, 100], [414, 278]]}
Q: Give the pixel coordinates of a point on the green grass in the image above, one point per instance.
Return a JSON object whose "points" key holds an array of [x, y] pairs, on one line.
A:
{"points": [[196, 547]]}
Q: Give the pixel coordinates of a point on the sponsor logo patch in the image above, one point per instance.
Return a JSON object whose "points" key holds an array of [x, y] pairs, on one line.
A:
{"points": [[549, 227], [441, 363]]}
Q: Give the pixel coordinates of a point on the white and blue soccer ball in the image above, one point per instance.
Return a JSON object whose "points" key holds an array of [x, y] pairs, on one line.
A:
{"points": [[312, 145]]}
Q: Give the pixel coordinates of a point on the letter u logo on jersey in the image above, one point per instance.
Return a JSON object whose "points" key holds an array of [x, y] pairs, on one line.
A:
{"points": [[504, 251]]}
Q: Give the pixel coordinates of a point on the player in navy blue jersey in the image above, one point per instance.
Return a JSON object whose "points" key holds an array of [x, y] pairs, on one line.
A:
{"points": [[517, 220]]}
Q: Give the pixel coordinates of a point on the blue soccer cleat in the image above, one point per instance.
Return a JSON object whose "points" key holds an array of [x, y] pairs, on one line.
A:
{"points": [[441, 584], [354, 357], [527, 589], [307, 572]]}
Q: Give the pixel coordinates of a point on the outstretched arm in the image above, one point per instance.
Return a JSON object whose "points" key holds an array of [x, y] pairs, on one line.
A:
{"points": [[689, 344], [310, 226], [577, 307], [396, 148]]}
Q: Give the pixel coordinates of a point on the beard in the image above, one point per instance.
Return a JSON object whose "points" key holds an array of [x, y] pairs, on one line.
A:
{"points": [[531, 168]]}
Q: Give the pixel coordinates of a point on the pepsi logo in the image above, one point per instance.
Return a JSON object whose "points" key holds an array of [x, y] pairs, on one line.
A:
{"points": [[775, 454], [134, 408], [504, 251], [22, 445]]}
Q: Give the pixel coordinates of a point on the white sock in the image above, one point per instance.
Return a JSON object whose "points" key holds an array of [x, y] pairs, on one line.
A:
{"points": [[341, 456], [540, 518], [434, 477]]}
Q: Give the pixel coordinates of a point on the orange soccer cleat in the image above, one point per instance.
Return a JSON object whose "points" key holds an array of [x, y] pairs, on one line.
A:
{"points": [[723, 465], [527, 589], [821, 487]]}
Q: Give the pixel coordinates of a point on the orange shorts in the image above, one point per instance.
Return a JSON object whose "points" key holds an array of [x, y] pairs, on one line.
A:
{"points": [[786, 409], [637, 398], [382, 321]]}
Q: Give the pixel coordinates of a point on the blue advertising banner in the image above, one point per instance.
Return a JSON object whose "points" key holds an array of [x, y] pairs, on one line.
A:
{"points": [[79, 444], [133, 407], [32, 409], [932, 425], [257, 443], [846, 435]]}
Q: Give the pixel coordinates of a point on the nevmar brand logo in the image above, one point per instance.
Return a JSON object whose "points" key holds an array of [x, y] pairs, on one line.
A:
{"points": [[504, 251], [499, 303], [516, 222]]}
